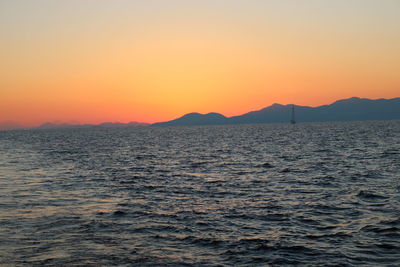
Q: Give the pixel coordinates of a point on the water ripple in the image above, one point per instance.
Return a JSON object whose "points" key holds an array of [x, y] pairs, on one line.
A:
{"points": [[316, 194]]}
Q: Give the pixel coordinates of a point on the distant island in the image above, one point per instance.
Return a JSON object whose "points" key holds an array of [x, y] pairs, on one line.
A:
{"points": [[103, 125], [351, 109], [51, 125]]}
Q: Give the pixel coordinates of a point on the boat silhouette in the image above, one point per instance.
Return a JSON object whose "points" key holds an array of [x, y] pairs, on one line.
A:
{"points": [[293, 118]]}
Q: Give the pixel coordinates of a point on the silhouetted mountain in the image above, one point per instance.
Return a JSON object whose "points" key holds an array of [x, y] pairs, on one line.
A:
{"points": [[350, 109], [273, 113], [50, 125], [196, 119], [120, 124]]}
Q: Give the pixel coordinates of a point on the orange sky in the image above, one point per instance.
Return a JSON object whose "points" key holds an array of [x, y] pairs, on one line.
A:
{"points": [[94, 61]]}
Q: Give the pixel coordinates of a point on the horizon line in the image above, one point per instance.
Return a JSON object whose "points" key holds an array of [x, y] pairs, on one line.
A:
{"points": [[21, 126]]}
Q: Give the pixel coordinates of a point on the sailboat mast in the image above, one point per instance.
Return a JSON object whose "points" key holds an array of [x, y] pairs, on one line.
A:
{"points": [[293, 119]]}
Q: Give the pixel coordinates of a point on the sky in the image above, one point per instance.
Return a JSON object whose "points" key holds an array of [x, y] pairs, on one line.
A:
{"points": [[90, 61]]}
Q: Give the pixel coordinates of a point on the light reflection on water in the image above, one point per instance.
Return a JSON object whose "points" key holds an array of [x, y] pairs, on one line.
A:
{"points": [[248, 195]]}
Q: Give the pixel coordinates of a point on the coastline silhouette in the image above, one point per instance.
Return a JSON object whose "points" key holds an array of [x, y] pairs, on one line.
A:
{"points": [[351, 109]]}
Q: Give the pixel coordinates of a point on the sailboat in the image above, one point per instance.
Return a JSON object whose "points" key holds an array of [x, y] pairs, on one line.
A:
{"points": [[293, 119]]}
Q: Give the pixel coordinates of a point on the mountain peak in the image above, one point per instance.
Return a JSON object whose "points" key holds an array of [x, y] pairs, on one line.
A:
{"points": [[195, 118], [350, 100], [276, 105]]}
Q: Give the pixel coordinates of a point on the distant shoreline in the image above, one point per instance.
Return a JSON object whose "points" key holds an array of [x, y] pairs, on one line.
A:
{"points": [[351, 109]]}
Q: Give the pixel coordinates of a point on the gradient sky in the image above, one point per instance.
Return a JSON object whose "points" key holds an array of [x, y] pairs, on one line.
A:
{"points": [[90, 61]]}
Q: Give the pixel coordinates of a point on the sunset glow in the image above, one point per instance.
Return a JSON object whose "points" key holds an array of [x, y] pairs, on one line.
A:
{"points": [[94, 61]]}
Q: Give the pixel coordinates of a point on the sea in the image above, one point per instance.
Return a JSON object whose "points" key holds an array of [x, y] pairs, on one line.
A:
{"points": [[309, 194]]}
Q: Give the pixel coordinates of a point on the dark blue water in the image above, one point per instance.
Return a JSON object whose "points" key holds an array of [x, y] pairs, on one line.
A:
{"points": [[316, 194]]}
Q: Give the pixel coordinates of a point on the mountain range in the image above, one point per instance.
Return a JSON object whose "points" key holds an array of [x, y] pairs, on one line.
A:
{"points": [[351, 109], [49, 125], [8, 125]]}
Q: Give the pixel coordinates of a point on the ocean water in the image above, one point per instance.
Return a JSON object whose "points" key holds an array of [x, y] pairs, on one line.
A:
{"points": [[312, 194]]}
